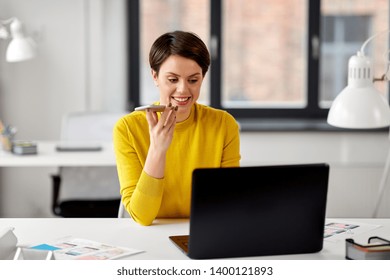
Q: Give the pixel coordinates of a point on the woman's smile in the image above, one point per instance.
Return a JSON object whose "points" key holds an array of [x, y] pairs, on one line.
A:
{"points": [[181, 101]]}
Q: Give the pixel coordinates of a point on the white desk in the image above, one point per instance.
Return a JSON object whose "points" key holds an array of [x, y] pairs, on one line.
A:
{"points": [[46, 161], [154, 239], [48, 157]]}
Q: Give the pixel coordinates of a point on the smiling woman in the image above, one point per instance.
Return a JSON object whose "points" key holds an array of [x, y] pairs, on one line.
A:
{"points": [[179, 61], [156, 152]]}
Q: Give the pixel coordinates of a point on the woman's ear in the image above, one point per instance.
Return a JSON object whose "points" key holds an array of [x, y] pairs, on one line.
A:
{"points": [[155, 77]]}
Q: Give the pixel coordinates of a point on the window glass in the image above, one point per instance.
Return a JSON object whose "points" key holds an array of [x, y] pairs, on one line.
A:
{"points": [[160, 16], [264, 54], [345, 26]]}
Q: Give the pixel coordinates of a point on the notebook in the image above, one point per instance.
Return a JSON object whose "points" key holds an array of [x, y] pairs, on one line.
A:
{"points": [[256, 211]]}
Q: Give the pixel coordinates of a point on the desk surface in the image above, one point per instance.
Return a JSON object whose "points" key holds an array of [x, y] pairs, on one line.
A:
{"points": [[153, 240], [48, 157]]}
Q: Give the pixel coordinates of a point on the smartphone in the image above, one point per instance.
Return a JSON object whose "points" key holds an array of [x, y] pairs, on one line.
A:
{"points": [[157, 108]]}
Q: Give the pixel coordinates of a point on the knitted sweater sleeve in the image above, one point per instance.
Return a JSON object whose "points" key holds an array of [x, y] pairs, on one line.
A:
{"points": [[141, 193]]}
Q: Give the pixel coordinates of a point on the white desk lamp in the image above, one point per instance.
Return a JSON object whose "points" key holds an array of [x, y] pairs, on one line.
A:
{"points": [[361, 105], [21, 47]]}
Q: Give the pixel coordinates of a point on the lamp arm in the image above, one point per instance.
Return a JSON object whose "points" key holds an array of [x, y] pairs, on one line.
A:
{"points": [[8, 21], [382, 186], [371, 38], [4, 34], [381, 79]]}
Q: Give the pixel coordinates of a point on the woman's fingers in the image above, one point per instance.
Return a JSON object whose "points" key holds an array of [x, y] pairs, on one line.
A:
{"points": [[167, 119], [166, 114], [151, 117], [171, 120]]}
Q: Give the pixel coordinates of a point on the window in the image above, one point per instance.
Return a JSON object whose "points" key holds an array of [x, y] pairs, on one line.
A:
{"points": [[345, 27], [264, 54], [270, 59], [178, 15], [337, 46]]}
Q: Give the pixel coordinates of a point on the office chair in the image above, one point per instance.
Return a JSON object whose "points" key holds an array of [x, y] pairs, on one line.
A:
{"points": [[86, 191], [122, 212]]}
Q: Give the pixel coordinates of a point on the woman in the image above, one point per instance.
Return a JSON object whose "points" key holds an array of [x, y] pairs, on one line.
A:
{"points": [[157, 152]]}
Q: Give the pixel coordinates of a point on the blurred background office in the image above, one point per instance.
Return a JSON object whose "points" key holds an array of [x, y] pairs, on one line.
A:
{"points": [[277, 66]]}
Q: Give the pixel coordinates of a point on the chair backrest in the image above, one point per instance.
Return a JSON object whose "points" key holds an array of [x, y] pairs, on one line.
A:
{"points": [[89, 126], [97, 182], [121, 210]]}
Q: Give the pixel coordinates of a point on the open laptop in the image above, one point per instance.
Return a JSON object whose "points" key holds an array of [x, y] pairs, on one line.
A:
{"points": [[256, 211]]}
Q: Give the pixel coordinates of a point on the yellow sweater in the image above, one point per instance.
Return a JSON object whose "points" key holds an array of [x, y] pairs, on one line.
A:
{"points": [[208, 138]]}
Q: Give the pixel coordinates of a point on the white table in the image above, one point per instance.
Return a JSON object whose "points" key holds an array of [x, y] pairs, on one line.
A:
{"points": [[154, 239], [48, 157]]}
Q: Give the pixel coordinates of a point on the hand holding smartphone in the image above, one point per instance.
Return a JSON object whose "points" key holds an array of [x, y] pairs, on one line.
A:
{"points": [[157, 108]]}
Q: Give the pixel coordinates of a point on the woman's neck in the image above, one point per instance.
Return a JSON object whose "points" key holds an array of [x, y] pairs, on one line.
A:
{"points": [[182, 116]]}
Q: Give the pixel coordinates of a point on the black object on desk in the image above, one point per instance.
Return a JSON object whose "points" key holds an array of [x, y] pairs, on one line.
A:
{"points": [[377, 249], [282, 211]]}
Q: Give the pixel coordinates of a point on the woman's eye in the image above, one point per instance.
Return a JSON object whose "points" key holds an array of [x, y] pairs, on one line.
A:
{"points": [[193, 81], [172, 80]]}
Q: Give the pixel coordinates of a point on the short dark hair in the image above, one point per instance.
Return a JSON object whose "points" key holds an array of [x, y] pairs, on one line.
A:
{"points": [[185, 44]]}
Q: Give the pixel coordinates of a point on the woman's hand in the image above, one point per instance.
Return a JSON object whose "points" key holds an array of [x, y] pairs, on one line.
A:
{"points": [[161, 135], [161, 130]]}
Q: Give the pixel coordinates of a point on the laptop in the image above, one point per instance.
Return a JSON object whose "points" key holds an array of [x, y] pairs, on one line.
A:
{"points": [[256, 211]]}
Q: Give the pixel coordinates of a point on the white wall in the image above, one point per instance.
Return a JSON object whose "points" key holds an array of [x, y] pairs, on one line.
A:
{"points": [[79, 70], [356, 162], [81, 65]]}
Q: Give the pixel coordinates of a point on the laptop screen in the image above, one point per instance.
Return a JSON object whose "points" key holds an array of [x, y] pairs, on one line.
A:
{"points": [[257, 211]]}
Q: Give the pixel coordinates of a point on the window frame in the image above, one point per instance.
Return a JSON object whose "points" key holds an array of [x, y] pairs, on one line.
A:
{"points": [[312, 109], [310, 117]]}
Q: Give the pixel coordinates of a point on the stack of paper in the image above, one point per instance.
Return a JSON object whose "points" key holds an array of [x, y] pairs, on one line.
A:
{"points": [[70, 248]]}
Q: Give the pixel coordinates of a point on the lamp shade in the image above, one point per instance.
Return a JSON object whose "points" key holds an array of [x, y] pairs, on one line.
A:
{"points": [[20, 48], [360, 104]]}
